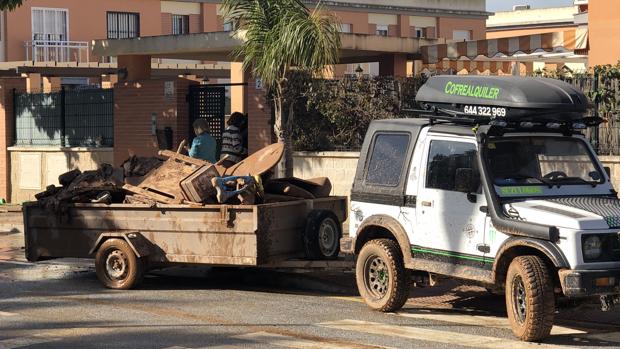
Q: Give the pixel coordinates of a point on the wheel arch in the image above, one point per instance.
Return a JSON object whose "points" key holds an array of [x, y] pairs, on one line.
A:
{"points": [[382, 226], [136, 241], [518, 246]]}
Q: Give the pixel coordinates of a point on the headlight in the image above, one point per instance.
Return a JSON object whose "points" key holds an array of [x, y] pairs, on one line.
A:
{"points": [[592, 247]]}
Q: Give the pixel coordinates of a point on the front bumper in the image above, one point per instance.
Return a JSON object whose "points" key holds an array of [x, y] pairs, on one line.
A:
{"points": [[581, 283]]}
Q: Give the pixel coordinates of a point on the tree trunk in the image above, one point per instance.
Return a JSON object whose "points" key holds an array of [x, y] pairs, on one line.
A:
{"points": [[279, 130], [288, 142]]}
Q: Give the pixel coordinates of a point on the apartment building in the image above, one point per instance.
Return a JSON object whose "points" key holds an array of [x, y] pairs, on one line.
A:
{"points": [[61, 30]]}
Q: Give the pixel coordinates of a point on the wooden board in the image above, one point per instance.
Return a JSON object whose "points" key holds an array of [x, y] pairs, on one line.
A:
{"points": [[259, 162]]}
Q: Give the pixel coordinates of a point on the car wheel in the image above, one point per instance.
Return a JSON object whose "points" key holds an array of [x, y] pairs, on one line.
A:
{"points": [[382, 280], [530, 302], [117, 266]]}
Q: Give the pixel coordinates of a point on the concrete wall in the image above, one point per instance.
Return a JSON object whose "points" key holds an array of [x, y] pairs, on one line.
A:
{"points": [[7, 126], [614, 164], [604, 36], [85, 22], [32, 169], [338, 166]]}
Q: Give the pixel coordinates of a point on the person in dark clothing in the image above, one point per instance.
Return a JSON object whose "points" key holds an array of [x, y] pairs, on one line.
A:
{"points": [[233, 148]]}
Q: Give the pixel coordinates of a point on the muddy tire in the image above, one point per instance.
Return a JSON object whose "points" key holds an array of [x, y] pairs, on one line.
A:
{"points": [[322, 235], [382, 280], [117, 266], [530, 302]]}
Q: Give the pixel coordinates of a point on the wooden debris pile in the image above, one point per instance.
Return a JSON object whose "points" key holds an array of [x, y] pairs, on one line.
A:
{"points": [[101, 186], [176, 179]]}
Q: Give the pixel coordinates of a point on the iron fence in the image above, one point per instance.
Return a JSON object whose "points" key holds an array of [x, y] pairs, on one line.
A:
{"points": [[77, 118]]}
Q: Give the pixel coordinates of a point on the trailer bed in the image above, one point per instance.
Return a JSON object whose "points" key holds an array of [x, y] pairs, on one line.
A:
{"points": [[266, 235]]}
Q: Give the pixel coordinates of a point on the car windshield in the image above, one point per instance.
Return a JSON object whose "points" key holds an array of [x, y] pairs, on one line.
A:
{"points": [[541, 160]]}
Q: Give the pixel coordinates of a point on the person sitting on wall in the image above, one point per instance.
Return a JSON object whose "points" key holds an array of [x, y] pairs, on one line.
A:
{"points": [[204, 145], [233, 149]]}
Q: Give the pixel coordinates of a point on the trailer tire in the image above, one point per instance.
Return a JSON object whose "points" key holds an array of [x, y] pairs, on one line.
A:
{"points": [[117, 266], [382, 280], [530, 302], [322, 235]]}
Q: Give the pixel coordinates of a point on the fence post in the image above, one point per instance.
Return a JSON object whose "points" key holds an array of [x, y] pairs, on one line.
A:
{"points": [[596, 114], [62, 117], [14, 140]]}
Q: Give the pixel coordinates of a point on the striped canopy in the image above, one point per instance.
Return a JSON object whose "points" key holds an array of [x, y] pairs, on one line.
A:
{"points": [[568, 40]]}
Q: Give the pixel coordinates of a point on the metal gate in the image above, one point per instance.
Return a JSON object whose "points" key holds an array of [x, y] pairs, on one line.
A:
{"points": [[77, 118], [208, 102]]}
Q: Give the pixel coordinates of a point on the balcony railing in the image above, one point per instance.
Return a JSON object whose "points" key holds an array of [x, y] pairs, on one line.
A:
{"points": [[57, 51]]}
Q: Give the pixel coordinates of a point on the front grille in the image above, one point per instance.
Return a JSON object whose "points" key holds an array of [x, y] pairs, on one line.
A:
{"points": [[610, 246]]}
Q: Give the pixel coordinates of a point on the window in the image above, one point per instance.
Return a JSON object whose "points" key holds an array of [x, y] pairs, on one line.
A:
{"points": [[229, 26], [382, 30], [123, 25], [180, 24], [387, 159], [49, 24], [444, 158], [417, 32], [461, 35], [345, 28]]}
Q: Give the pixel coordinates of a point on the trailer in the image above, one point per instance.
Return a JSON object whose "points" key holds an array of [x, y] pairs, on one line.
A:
{"points": [[127, 240]]}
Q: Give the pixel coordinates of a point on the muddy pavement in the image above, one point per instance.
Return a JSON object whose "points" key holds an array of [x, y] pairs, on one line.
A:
{"points": [[61, 304]]}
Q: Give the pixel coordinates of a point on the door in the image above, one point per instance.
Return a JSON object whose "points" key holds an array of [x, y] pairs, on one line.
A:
{"points": [[208, 103], [450, 225]]}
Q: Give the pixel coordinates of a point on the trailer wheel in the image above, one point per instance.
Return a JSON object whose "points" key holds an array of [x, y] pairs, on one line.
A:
{"points": [[117, 266], [530, 302], [322, 235], [382, 280]]}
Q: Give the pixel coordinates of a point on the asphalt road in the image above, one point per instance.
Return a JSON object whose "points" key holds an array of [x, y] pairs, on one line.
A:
{"points": [[60, 304]]}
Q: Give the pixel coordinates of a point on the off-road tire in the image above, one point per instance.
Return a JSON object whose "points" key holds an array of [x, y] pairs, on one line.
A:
{"points": [[133, 268], [316, 244], [534, 321], [398, 279]]}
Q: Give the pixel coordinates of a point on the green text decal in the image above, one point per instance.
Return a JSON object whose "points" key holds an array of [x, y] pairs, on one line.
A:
{"points": [[471, 90], [525, 190]]}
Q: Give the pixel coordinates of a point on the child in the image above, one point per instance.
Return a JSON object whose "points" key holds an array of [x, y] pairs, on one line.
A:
{"points": [[203, 146]]}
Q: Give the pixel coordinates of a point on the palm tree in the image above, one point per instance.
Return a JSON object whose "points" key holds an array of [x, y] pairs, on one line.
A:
{"points": [[10, 4], [280, 35]]}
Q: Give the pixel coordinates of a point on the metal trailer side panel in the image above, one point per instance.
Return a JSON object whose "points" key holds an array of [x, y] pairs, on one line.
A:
{"points": [[177, 234]]}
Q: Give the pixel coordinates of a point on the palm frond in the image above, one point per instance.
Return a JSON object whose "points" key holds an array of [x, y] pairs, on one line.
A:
{"points": [[280, 34]]}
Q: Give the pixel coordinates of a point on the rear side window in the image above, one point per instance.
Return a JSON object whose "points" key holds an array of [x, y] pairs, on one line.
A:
{"points": [[387, 159]]}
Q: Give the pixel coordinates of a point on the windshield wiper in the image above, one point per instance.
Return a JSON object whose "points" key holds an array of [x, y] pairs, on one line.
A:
{"points": [[522, 176], [568, 179]]}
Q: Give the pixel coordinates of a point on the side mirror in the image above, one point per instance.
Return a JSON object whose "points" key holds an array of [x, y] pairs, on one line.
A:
{"points": [[608, 171], [465, 180]]}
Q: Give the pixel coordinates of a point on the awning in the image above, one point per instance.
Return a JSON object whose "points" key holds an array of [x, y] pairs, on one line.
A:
{"points": [[470, 66], [568, 40]]}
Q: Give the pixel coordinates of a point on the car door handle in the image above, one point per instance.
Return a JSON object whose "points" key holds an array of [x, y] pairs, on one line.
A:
{"points": [[427, 203]]}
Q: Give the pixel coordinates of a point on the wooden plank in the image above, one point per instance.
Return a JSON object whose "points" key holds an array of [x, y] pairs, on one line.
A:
{"points": [[149, 194]]}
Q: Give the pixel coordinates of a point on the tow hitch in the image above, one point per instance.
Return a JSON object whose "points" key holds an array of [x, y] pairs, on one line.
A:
{"points": [[609, 301]]}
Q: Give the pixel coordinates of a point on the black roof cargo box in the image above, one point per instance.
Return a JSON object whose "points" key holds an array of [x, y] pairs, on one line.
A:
{"points": [[508, 97]]}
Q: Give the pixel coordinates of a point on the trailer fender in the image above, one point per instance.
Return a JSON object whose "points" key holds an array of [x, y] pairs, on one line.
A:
{"points": [[139, 244]]}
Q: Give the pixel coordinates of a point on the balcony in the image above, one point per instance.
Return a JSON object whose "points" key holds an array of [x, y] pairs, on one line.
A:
{"points": [[57, 51]]}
